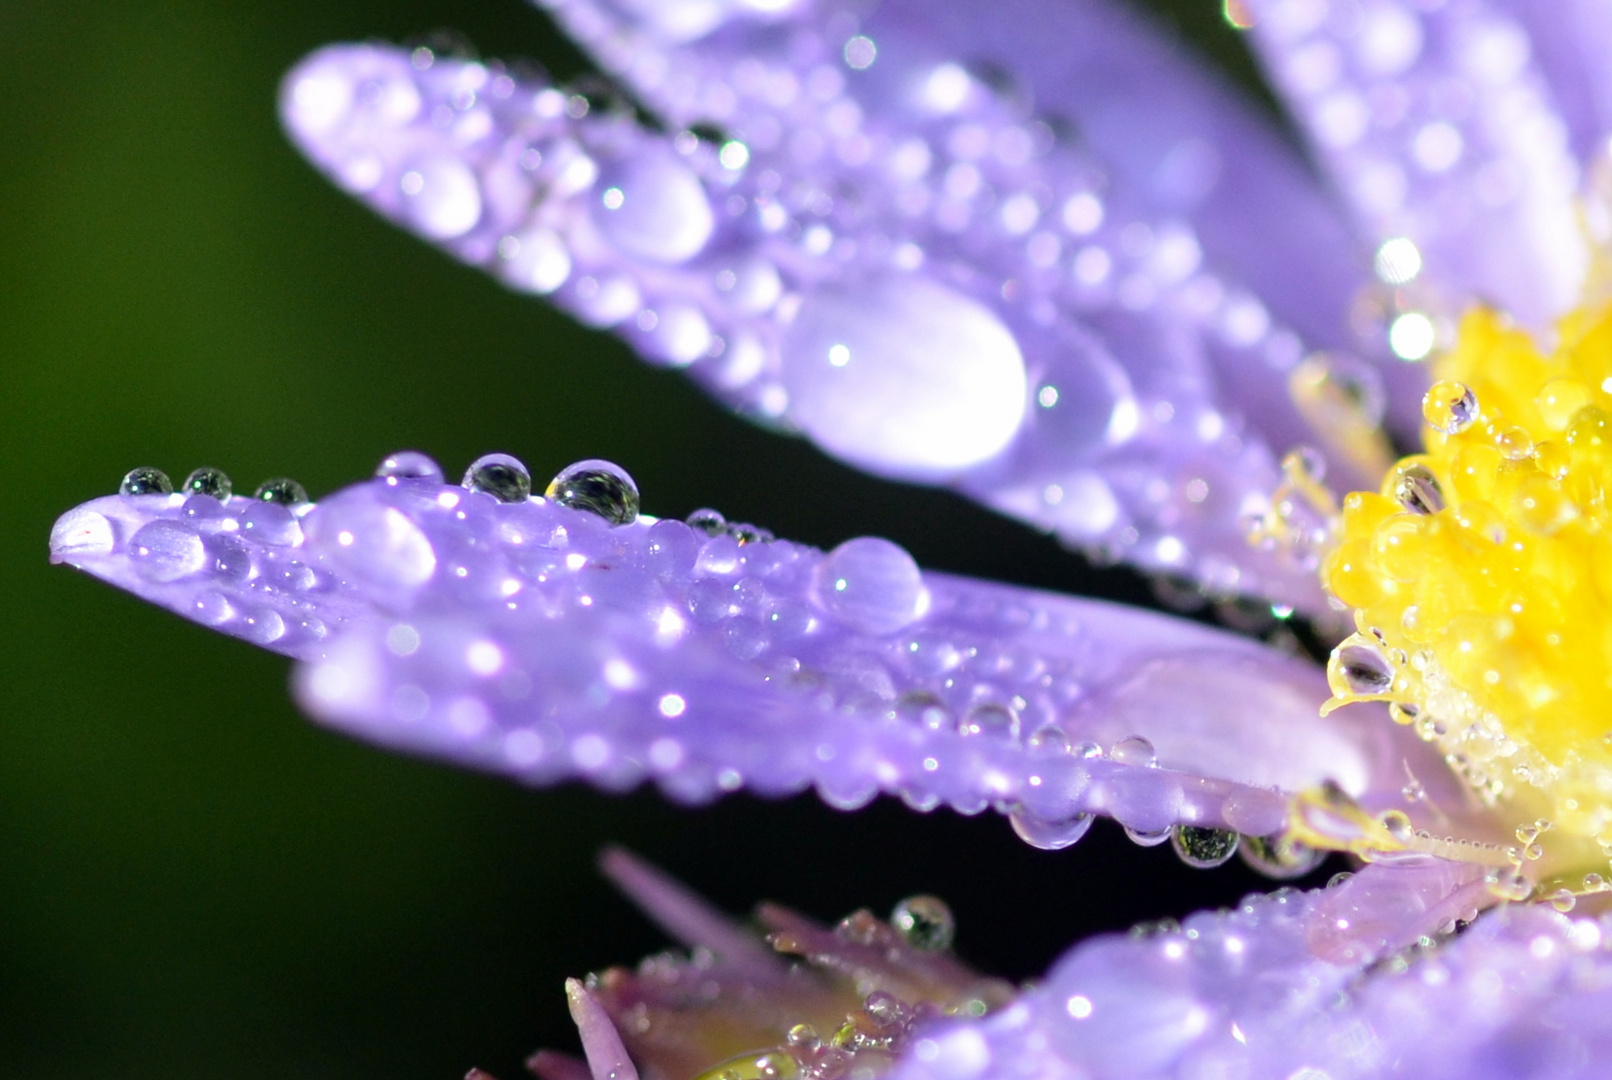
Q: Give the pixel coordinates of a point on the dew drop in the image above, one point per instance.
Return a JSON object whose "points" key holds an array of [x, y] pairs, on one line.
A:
{"points": [[281, 491], [1134, 750], [1204, 848], [1279, 857], [1147, 838], [599, 487], [1358, 667], [501, 476], [167, 550], [654, 207], [208, 481], [708, 521], [1449, 407], [409, 465], [1398, 825], [925, 923], [904, 376], [145, 480], [871, 585], [989, 721], [1417, 489], [1047, 835], [441, 197]]}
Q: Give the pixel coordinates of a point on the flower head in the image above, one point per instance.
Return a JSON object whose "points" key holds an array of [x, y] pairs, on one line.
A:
{"points": [[1096, 295]]}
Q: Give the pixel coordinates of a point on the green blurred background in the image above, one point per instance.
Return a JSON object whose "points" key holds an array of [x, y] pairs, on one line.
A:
{"points": [[195, 882]]}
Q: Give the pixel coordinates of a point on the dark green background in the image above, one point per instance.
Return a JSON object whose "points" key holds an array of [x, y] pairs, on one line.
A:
{"points": [[195, 882]]}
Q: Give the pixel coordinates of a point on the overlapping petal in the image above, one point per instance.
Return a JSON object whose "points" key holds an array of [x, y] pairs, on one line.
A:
{"points": [[543, 641], [1047, 294]]}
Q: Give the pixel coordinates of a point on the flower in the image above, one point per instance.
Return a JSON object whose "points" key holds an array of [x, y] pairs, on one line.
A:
{"points": [[1100, 299]]}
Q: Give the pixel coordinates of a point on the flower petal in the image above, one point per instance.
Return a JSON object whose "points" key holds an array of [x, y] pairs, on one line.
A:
{"points": [[1523, 992], [541, 641], [1026, 323], [1439, 127]]}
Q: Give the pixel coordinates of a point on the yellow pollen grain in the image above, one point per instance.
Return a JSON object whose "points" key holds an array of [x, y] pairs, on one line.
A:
{"points": [[1481, 572]]}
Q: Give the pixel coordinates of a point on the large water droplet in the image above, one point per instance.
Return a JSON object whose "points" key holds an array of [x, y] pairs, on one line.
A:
{"points": [[1049, 835], [904, 376], [1204, 848], [1134, 750], [441, 197], [1449, 407], [409, 465], [871, 585], [208, 481], [1358, 666], [1417, 489], [281, 491], [925, 923], [599, 487], [365, 541], [503, 477], [166, 551], [145, 480], [80, 532], [989, 721], [652, 206]]}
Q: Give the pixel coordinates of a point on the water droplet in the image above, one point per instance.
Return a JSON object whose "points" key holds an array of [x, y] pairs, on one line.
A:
{"points": [[409, 465], [167, 550], [145, 480], [208, 481], [1049, 739], [708, 521], [1449, 407], [370, 543], [904, 376], [1204, 848], [925, 923], [1358, 667], [281, 491], [1398, 825], [804, 1036], [599, 487], [1279, 857], [871, 585], [1417, 489], [924, 709], [1049, 835], [653, 206], [1134, 750], [1147, 838], [989, 721], [501, 476], [441, 197]]}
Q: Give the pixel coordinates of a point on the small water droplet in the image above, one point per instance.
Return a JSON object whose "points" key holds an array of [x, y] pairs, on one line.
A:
{"points": [[208, 481], [924, 709], [1563, 900], [281, 491], [1417, 489], [1279, 857], [409, 465], [145, 480], [1134, 750], [883, 1007], [166, 551], [503, 477], [1398, 826], [1358, 666], [1449, 407], [708, 521], [1204, 848], [1049, 739], [925, 923], [599, 487], [989, 721], [804, 1036], [1149, 838], [871, 585]]}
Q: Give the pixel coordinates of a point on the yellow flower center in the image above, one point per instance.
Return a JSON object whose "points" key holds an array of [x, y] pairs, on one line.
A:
{"points": [[1481, 574]]}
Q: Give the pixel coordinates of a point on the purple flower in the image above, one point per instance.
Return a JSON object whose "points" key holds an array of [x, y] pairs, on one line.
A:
{"points": [[1029, 251]]}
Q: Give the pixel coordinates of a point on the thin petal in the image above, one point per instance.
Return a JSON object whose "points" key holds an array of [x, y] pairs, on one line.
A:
{"points": [[1523, 992], [935, 289], [539, 641], [1438, 126]]}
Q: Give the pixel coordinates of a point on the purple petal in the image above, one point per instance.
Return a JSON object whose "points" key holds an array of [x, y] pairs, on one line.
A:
{"points": [[1438, 126], [895, 258], [1248, 993], [536, 640]]}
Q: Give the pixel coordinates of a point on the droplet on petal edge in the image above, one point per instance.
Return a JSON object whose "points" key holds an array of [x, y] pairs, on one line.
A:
{"points": [[546, 641]]}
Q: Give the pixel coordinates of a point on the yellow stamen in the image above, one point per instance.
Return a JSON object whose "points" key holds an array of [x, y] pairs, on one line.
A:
{"points": [[1481, 573]]}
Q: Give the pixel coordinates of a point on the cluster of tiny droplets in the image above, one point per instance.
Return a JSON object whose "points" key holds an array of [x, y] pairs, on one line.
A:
{"points": [[799, 266], [942, 691]]}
